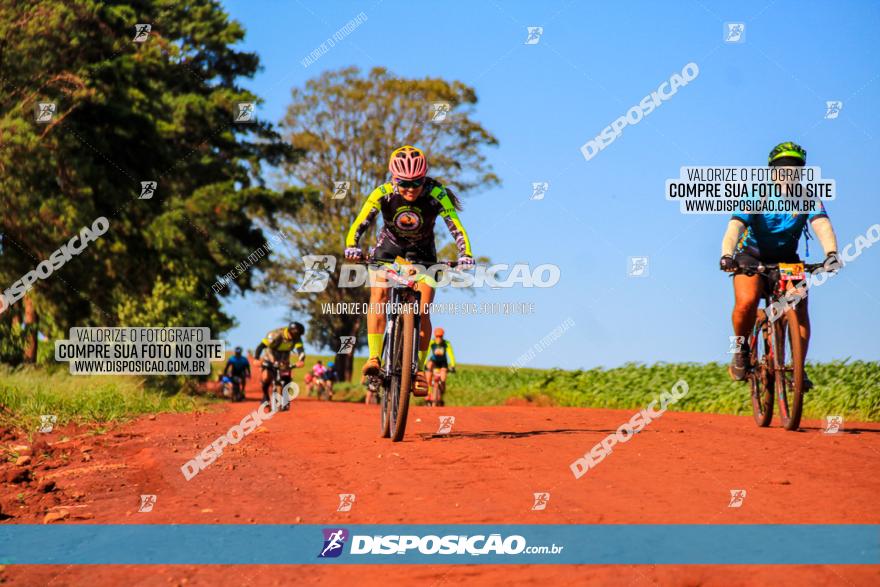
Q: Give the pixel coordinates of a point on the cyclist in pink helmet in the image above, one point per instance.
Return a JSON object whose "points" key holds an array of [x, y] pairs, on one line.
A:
{"points": [[410, 204]]}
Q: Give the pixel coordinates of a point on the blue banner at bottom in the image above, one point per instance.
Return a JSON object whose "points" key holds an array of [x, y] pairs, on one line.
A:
{"points": [[214, 544]]}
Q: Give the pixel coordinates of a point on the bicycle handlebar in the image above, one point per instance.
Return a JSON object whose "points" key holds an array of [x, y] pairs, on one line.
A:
{"points": [[367, 260], [764, 268]]}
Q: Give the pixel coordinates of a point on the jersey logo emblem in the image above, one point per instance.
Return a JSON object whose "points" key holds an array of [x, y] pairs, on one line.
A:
{"points": [[408, 221]]}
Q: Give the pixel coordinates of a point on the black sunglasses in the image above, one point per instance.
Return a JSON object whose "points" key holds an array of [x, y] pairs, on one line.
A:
{"points": [[413, 183]]}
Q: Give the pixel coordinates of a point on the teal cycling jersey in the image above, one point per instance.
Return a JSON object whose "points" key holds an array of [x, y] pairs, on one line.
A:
{"points": [[774, 237]]}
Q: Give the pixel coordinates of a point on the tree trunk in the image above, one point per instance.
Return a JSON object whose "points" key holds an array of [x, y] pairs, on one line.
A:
{"points": [[31, 326], [345, 362]]}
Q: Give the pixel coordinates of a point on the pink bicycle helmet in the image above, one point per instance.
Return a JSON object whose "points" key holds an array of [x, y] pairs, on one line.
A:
{"points": [[408, 163]]}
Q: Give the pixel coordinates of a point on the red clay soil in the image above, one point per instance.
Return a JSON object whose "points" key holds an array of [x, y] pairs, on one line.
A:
{"points": [[680, 469]]}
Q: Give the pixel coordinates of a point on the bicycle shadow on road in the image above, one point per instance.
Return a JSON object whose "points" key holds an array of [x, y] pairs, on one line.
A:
{"points": [[843, 432], [490, 434]]}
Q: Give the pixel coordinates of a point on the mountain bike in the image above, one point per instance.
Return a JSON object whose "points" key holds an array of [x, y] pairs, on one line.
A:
{"points": [[232, 387], [279, 398], [777, 367], [325, 390], [400, 353], [438, 388]]}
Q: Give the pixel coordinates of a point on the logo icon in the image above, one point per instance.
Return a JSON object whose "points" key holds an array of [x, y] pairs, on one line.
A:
{"points": [[737, 497], [142, 32], [245, 111], [147, 503], [44, 112], [541, 500], [539, 189], [317, 273], [446, 423], [734, 32], [346, 500], [340, 189], [833, 424], [148, 188], [346, 345], [637, 267], [534, 35], [832, 109], [439, 111], [334, 539], [47, 423], [736, 344]]}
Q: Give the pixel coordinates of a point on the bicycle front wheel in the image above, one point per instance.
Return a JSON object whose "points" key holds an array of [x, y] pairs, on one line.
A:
{"points": [[789, 362], [761, 370], [401, 369]]}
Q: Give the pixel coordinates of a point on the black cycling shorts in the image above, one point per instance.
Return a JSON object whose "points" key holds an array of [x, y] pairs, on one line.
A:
{"points": [[386, 249]]}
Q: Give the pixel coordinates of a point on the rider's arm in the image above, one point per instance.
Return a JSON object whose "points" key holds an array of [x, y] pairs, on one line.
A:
{"points": [[450, 216], [227, 367], [300, 350], [450, 354], [365, 217], [263, 344], [735, 229], [824, 232]]}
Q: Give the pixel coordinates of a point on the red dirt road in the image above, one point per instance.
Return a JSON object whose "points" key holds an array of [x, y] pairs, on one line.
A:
{"points": [[680, 469]]}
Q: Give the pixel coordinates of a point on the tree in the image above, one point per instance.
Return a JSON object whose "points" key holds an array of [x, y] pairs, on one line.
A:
{"points": [[126, 112], [349, 122]]}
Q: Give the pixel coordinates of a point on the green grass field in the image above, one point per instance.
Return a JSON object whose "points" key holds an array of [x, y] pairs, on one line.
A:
{"points": [[26, 393], [850, 389]]}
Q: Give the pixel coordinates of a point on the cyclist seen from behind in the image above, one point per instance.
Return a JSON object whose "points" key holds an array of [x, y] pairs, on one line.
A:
{"points": [[770, 238], [409, 204], [280, 343]]}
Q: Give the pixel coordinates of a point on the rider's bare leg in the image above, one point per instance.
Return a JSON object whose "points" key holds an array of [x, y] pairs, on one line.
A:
{"points": [[376, 321], [266, 381], [427, 295], [425, 327], [804, 321], [747, 294], [376, 312], [441, 389], [429, 377]]}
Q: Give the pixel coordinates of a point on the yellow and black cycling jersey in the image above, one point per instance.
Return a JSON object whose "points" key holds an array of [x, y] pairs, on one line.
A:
{"points": [[280, 347], [441, 355], [409, 226]]}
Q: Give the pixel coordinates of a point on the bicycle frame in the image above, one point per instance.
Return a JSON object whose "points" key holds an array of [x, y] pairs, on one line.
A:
{"points": [[401, 290], [787, 381], [394, 399]]}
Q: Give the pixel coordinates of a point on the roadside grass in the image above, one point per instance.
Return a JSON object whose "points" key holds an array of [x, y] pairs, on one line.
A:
{"points": [[847, 388], [26, 393]]}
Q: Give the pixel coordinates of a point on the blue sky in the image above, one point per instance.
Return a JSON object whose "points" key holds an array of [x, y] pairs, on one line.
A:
{"points": [[543, 101]]}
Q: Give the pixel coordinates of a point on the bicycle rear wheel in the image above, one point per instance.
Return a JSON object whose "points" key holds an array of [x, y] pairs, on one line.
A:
{"points": [[401, 369], [789, 362], [761, 371]]}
